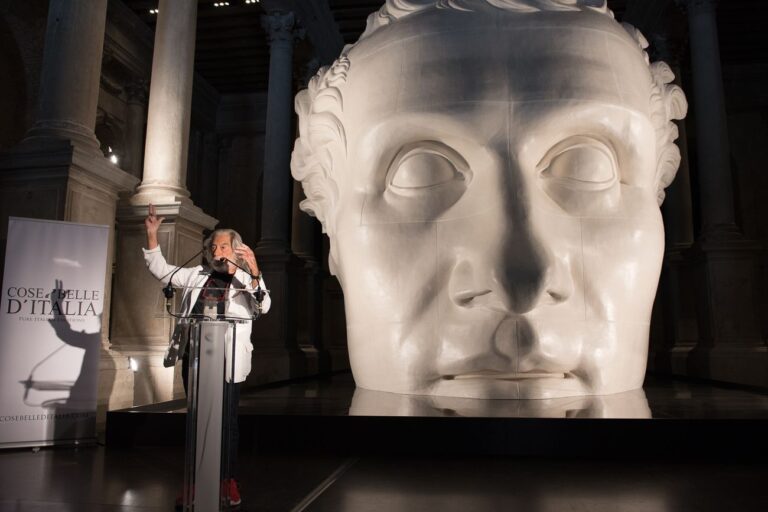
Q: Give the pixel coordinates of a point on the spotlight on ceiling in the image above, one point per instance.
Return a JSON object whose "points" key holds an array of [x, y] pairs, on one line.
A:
{"points": [[154, 11]]}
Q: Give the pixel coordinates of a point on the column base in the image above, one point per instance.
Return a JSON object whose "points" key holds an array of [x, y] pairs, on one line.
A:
{"points": [[276, 353], [309, 313], [335, 324], [745, 364], [152, 382], [676, 304], [47, 133], [730, 347], [141, 328], [115, 385], [60, 180]]}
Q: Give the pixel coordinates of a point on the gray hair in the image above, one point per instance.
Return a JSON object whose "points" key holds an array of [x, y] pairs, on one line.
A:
{"points": [[235, 239], [393, 10]]}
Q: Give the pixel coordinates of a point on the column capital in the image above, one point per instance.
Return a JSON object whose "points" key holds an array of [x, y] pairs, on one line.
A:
{"points": [[137, 91], [697, 6], [281, 26]]}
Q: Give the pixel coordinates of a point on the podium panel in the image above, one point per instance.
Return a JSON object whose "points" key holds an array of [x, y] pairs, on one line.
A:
{"points": [[208, 431]]}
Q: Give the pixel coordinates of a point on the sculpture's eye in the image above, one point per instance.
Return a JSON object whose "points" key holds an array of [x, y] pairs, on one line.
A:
{"points": [[420, 169], [587, 165], [581, 175], [423, 180]]}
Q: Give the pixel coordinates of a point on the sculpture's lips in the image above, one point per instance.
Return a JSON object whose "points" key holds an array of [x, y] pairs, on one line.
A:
{"points": [[496, 375]]}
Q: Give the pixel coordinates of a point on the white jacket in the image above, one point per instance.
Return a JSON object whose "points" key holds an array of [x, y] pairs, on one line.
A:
{"points": [[241, 303]]}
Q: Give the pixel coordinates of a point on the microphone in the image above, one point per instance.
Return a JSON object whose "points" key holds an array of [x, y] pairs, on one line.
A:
{"points": [[168, 289]]}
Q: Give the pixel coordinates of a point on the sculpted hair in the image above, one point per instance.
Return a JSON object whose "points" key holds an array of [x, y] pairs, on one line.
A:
{"points": [[322, 143], [393, 10], [235, 239]]}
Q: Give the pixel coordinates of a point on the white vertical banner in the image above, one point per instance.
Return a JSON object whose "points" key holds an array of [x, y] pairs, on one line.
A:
{"points": [[50, 331]]}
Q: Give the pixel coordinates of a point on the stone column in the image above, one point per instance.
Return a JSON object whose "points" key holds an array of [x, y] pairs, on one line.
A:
{"points": [[276, 352], [711, 123], [141, 330], [730, 346], [136, 116], [69, 82], [170, 105], [276, 202]]}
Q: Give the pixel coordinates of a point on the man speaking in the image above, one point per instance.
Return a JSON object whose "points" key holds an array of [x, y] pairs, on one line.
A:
{"points": [[232, 284]]}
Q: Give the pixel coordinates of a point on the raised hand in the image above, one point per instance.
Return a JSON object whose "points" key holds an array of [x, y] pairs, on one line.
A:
{"points": [[152, 224], [245, 254]]}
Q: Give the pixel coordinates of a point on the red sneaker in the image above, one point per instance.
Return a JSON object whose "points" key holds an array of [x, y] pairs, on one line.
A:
{"points": [[179, 505], [231, 492]]}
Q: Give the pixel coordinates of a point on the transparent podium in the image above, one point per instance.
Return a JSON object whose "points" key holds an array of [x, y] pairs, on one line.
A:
{"points": [[209, 336]]}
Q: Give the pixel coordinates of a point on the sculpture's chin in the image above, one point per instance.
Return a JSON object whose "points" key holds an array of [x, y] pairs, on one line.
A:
{"points": [[539, 388], [556, 386], [630, 404]]}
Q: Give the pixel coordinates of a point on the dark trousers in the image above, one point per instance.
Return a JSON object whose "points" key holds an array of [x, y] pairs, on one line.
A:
{"points": [[231, 390]]}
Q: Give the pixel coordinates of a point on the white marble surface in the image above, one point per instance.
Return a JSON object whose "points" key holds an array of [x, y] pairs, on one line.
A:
{"points": [[490, 181]]}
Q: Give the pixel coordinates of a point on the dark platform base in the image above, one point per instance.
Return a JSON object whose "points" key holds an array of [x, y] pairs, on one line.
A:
{"points": [[690, 419]]}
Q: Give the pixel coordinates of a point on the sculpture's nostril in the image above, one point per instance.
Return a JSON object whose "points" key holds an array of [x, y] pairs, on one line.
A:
{"points": [[465, 297]]}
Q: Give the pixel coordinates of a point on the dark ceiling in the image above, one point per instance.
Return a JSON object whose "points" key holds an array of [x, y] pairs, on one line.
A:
{"points": [[233, 56]]}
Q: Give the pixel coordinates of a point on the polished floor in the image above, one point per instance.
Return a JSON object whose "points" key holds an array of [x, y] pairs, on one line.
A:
{"points": [[103, 479], [147, 478]]}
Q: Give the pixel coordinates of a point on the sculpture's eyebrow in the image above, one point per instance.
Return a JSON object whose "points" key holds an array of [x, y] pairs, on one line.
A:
{"points": [[378, 144], [629, 133]]}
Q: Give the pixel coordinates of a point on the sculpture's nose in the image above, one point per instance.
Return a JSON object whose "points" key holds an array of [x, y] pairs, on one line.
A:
{"points": [[510, 265]]}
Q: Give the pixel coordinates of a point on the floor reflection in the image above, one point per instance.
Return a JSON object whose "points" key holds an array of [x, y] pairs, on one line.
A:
{"points": [[661, 397], [631, 404]]}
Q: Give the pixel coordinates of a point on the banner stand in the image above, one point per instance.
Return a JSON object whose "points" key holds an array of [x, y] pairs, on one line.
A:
{"points": [[50, 332]]}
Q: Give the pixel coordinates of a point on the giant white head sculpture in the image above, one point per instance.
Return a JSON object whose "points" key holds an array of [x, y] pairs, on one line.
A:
{"points": [[489, 173]]}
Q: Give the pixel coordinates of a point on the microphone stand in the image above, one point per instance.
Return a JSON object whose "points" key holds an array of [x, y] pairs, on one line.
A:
{"points": [[168, 289]]}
